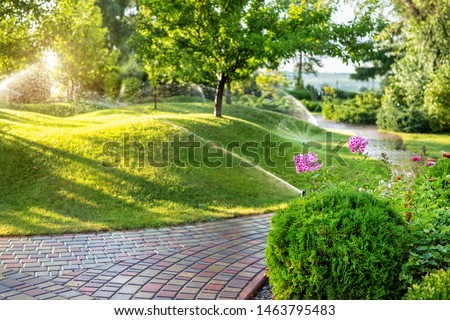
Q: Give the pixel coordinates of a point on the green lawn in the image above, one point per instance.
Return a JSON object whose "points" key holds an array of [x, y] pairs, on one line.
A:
{"points": [[53, 181], [437, 144]]}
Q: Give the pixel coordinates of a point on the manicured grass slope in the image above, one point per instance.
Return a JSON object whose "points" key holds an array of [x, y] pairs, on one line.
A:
{"points": [[52, 179]]}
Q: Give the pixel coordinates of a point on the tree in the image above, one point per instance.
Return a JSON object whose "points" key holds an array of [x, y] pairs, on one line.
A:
{"points": [[305, 64], [271, 81], [225, 39], [117, 19], [20, 32], [79, 41], [415, 99], [229, 40]]}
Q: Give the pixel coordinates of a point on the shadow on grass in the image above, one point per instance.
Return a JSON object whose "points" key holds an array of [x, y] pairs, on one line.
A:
{"points": [[43, 191]]}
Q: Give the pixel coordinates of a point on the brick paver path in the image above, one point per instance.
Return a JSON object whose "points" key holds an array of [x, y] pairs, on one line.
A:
{"points": [[214, 260]]}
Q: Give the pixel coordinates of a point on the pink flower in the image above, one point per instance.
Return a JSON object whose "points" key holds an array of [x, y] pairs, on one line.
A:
{"points": [[431, 163], [357, 144], [416, 158], [307, 162]]}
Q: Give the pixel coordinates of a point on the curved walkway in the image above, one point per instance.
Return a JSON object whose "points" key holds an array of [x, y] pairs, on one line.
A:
{"points": [[215, 260], [379, 142]]}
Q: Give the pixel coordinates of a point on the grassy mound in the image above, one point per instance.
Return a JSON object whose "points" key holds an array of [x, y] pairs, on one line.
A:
{"points": [[58, 176]]}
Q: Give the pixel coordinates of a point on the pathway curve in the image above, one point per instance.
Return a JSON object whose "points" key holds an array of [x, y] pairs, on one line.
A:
{"points": [[379, 142], [214, 260]]}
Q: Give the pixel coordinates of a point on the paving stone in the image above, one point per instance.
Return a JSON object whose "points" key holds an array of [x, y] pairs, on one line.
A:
{"points": [[21, 296], [166, 294], [129, 289], [35, 292], [152, 287]]}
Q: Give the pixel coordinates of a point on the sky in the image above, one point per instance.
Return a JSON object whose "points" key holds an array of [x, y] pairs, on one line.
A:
{"points": [[345, 13]]}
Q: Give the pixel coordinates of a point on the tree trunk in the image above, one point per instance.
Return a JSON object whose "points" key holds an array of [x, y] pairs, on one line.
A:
{"points": [[299, 85], [155, 96], [228, 100], [219, 96], [75, 96], [412, 8]]}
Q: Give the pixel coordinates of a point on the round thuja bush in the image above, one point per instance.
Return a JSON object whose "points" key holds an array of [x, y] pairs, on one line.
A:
{"points": [[434, 286], [337, 245]]}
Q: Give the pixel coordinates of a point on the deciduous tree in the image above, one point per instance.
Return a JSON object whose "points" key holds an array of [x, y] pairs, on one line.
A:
{"points": [[228, 40], [79, 41], [20, 32]]}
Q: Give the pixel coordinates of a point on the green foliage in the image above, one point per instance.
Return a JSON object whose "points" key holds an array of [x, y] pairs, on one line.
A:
{"points": [[313, 106], [80, 43], [417, 95], [305, 64], [434, 286], [437, 100], [342, 94], [410, 119], [118, 21], [271, 81], [21, 32], [112, 84], [308, 93], [337, 245], [402, 105], [363, 109], [184, 99], [30, 86], [56, 109], [131, 88], [266, 101], [432, 249], [313, 91], [217, 41], [276, 102], [301, 94]]}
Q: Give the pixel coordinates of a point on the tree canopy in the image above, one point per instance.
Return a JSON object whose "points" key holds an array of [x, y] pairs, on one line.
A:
{"points": [[416, 98], [225, 41], [79, 41], [20, 32]]}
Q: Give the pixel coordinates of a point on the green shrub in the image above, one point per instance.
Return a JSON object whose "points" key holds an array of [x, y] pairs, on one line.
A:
{"points": [[329, 109], [112, 85], [59, 109], [437, 100], [403, 103], [362, 109], [405, 119], [301, 94], [441, 175], [131, 88], [312, 106], [313, 91], [434, 286], [342, 94], [52, 109], [337, 245], [432, 248]]}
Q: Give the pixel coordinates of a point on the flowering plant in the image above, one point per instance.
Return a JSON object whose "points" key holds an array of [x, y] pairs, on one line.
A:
{"points": [[357, 144], [307, 162]]}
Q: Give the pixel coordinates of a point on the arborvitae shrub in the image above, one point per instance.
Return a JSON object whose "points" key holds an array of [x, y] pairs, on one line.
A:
{"points": [[337, 245]]}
